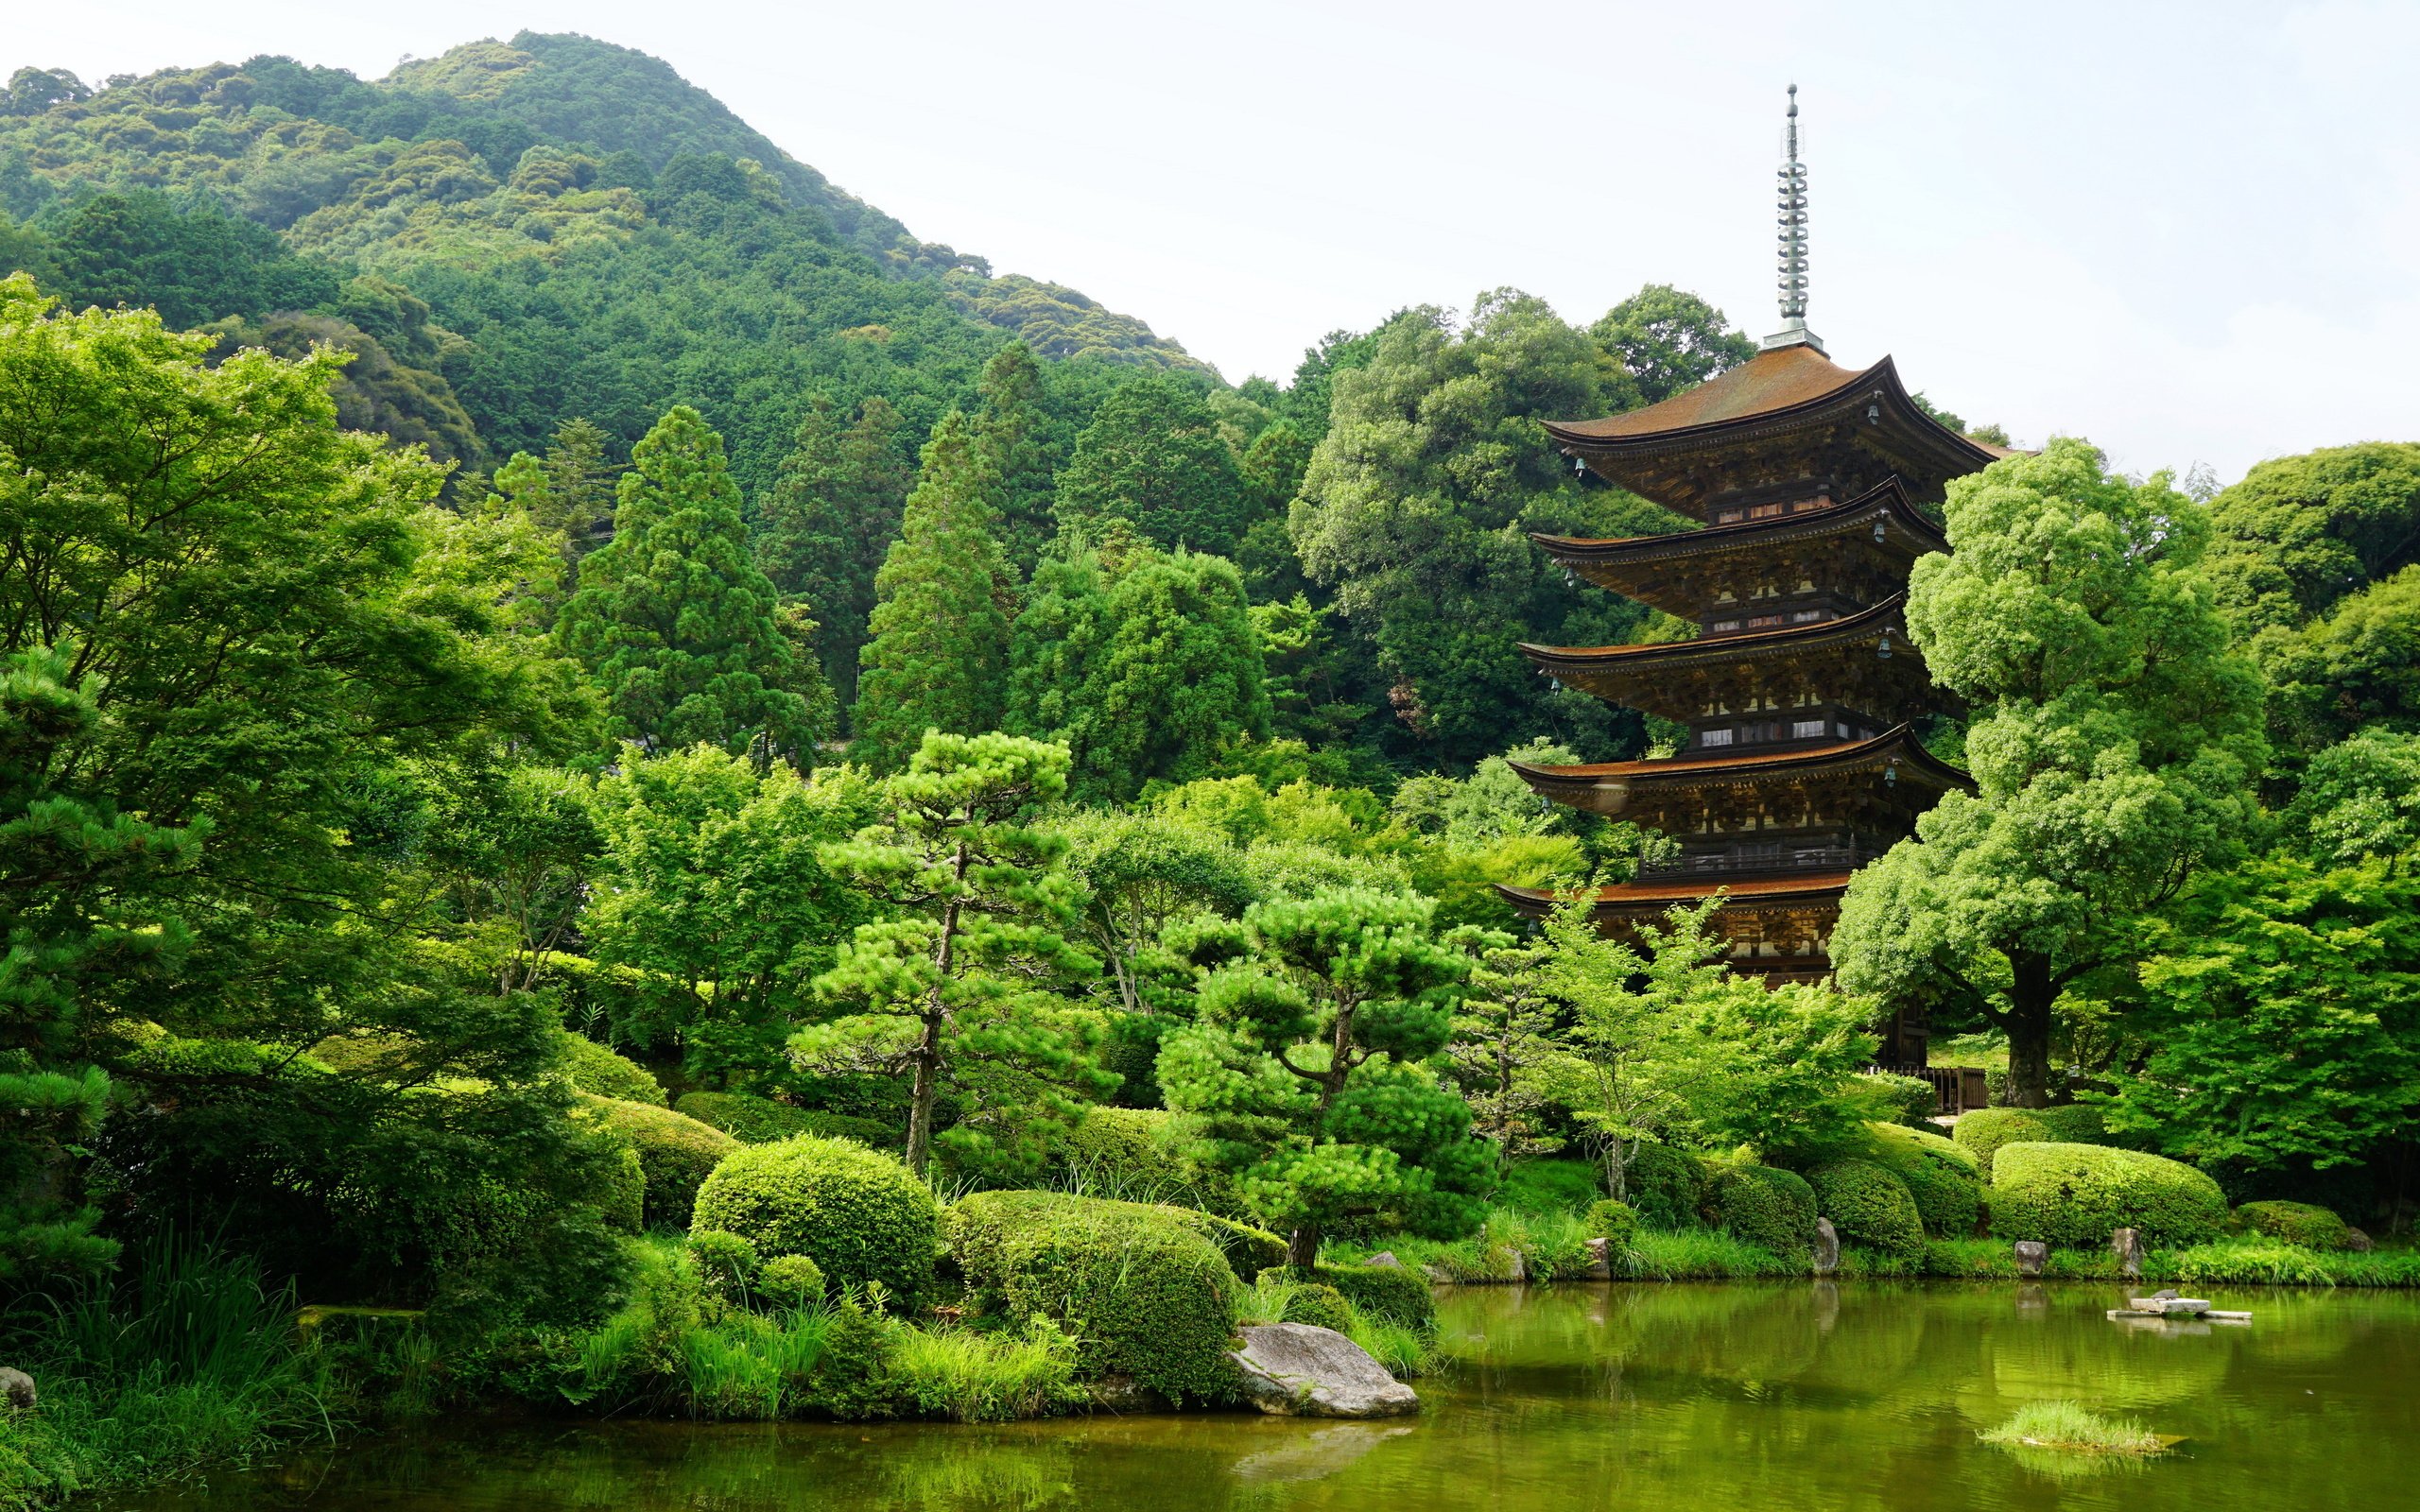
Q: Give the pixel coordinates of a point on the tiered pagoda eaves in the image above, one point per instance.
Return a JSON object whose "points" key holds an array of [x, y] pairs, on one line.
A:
{"points": [[1802, 691]]}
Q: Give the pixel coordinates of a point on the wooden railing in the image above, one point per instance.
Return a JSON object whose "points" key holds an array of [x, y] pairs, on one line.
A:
{"points": [[1955, 1089]]}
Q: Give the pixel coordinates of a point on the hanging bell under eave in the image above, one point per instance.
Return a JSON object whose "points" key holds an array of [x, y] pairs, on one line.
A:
{"points": [[1883, 650]]}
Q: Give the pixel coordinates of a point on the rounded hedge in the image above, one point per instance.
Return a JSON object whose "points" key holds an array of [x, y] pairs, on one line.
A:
{"points": [[2297, 1223], [2076, 1195], [1758, 1205], [1946, 1179], [1867, 1206], [1319, 1305], [1664, 1186], [1396, 1294], [603, 1072], [676, 1153], [1614, 1222], [1983, 1133], [2074, 1124], [1149, 1296], [858, 1215], [791, 1281], [753, 1120]]}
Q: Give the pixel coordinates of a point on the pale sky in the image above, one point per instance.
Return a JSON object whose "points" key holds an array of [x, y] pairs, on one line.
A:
{"points": [[2187, 232]]}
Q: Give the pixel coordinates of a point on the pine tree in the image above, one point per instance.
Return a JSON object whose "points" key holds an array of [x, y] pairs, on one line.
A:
{"points": [[833, 511], [687, 638], [938, 652]]}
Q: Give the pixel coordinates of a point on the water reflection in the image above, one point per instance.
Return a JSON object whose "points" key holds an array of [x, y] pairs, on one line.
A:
{"points": [[1695, 1397]]}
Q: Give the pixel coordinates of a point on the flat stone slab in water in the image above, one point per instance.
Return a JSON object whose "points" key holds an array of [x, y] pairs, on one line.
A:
{"points": [[1295, 1370]]}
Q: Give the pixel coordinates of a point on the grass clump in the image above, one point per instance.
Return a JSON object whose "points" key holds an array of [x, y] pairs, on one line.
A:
{"points": [[2066, 1425], [1700, 1254]]}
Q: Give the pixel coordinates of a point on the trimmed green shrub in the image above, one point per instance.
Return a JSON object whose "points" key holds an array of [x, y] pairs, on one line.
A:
{"points": [[1771, 1209], [675, 1153], [2073, 1124], [1946, 1179], [1983, 1132], [1392, 1293], [2077, 1193], [1666, 1187], [602, 1073], [2297, 1223], [791, 1281], [1319, 1305], [1150, 1296], [1908, 1100], [623, 1199], [727, 1262], [858, 1215], [753, 1120], [1247, 1250], [1614, 1223], [1867, 1206], [1551, 1186]]}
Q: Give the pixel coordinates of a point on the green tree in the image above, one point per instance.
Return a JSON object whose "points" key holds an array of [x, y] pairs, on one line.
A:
{"points": [[580, 486], [1016, 438], [953, 988], [1139, 874], [2355, 666], [1665, 1042], [1145, 667], [1416, 512], [2281, 1005], [2301, 532], [1504, 1044], [833, 511], [712, 884], [1154, 457], [246, 619], [1669, 340], [1308, 1068], [2114, 740], [937, 657], [677, 623], [2357, 799]]}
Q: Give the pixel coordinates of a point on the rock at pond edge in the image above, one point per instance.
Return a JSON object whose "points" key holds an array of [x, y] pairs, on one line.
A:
{"points": [[1295, 1370], [2032, 1256], [1827, 1247]]}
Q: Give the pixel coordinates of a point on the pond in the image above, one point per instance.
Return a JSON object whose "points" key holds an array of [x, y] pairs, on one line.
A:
{"points": [[1692, 1397]]}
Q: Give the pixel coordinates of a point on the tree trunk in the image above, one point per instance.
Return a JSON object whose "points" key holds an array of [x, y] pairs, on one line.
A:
{"points": [[2030, 994], [929, 1075], [928, 1048], [1302, 1247]]}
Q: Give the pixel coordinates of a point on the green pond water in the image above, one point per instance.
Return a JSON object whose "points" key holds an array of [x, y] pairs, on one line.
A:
{"points": [[1643, 1398]]}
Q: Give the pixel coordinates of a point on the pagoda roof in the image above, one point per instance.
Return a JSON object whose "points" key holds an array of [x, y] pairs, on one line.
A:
{"points": [[1728, 650], [1610, 788], [1787, 412], [1630, 564], [1636, 899]]}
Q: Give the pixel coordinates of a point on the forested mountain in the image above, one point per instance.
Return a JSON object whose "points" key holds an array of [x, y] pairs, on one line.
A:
{"points": [[517, 234]]}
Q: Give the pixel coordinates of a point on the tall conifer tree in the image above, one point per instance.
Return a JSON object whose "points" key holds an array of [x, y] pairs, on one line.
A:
{"points": [[834, 511], [938, 652], [686, 636], [1015, 437]]}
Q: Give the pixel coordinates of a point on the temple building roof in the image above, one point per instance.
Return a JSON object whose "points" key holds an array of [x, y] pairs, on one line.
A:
{"points": [[1786, 417], [1863, 661], [1678, 572], [1612, 788]]}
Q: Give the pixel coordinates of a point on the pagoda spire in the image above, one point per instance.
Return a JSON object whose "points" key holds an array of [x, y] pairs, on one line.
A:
{"points": [[1792, 238]]}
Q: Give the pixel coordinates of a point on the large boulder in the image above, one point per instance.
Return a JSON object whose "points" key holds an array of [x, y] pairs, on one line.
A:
{"points": [[1294, 1370]]}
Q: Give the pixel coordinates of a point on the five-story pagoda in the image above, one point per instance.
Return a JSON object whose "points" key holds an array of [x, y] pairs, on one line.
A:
{"points": [[1801, 693]]}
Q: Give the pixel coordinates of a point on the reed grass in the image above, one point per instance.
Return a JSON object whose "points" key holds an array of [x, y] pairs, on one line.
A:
{"points": [[2068, 1426]]}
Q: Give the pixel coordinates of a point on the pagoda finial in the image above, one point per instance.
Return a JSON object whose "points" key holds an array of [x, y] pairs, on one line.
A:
{"points": [[1792, 222]]}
